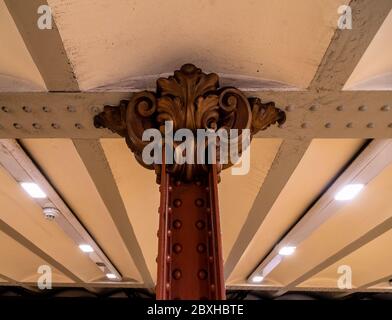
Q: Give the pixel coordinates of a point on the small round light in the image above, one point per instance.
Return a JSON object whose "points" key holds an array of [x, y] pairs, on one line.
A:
{"points": [[257, 279], [287, 251]]}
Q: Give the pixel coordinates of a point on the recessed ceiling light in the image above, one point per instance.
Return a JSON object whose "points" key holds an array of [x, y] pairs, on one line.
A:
{"points": [[349, 192], [287, 251], [33, 190], [257, 279], [86, 248], [111, 276]]}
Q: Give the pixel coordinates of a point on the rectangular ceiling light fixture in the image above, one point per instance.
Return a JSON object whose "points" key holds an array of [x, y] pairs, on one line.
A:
{"points": [[86, 248], [349, 192], [257, 279], [287, 250], [111, 276], [33, 190]]}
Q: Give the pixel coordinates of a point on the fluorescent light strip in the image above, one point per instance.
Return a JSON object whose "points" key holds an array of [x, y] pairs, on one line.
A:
{"points": [[272, 265], [349, 192], [86, 248], [111, 276], [257, 279], [33, 190], [287, 250]]}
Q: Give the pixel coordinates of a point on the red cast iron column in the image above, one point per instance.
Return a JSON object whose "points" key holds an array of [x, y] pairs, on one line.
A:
{"points": [[190, 254]]}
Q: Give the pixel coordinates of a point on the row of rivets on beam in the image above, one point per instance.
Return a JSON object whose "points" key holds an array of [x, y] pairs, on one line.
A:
{"points": [[289, 108], [47, 109], [94, 109], [38, 126], [361, 108], [79, 126], [349, 125]]}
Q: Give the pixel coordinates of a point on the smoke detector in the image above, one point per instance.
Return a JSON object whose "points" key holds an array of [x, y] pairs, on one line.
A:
{"points": [[50, 213]]}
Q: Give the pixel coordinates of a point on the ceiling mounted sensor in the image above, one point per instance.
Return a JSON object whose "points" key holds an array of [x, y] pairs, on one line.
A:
{"points": [[50, 213]]}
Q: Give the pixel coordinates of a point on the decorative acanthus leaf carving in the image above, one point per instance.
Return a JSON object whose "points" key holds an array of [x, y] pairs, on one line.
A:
{"points": [[190, 99]]}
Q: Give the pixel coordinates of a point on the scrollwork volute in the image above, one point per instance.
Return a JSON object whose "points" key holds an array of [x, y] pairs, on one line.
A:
{"points": [[190, 99]]}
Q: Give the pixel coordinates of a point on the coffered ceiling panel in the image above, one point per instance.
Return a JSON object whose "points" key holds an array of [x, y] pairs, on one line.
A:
{"points": [[367, 264], [20, 264]]}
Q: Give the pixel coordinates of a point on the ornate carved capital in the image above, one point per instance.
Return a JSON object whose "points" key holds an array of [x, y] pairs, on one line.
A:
{"points": [[190, 99]]}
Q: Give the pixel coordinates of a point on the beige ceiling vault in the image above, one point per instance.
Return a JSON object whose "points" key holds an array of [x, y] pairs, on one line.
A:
{"points": [[374, 70], [287, 158], [140, 196], [294, 194], [289, 52], [366, 271], [93, 157], [109, 43], [348, 45], [17, 69], [45, 46], [16, 247], [366, 167], [330, 279], [19, 262], [350, 222], [235, 203]]}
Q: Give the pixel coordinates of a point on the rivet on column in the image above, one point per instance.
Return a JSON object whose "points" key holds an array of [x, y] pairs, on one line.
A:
{"points": [[199, 202], [177, 274], [177, 248], [202, 274], [177, 224], [200, 224], [177, 203], [201, 247]]}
